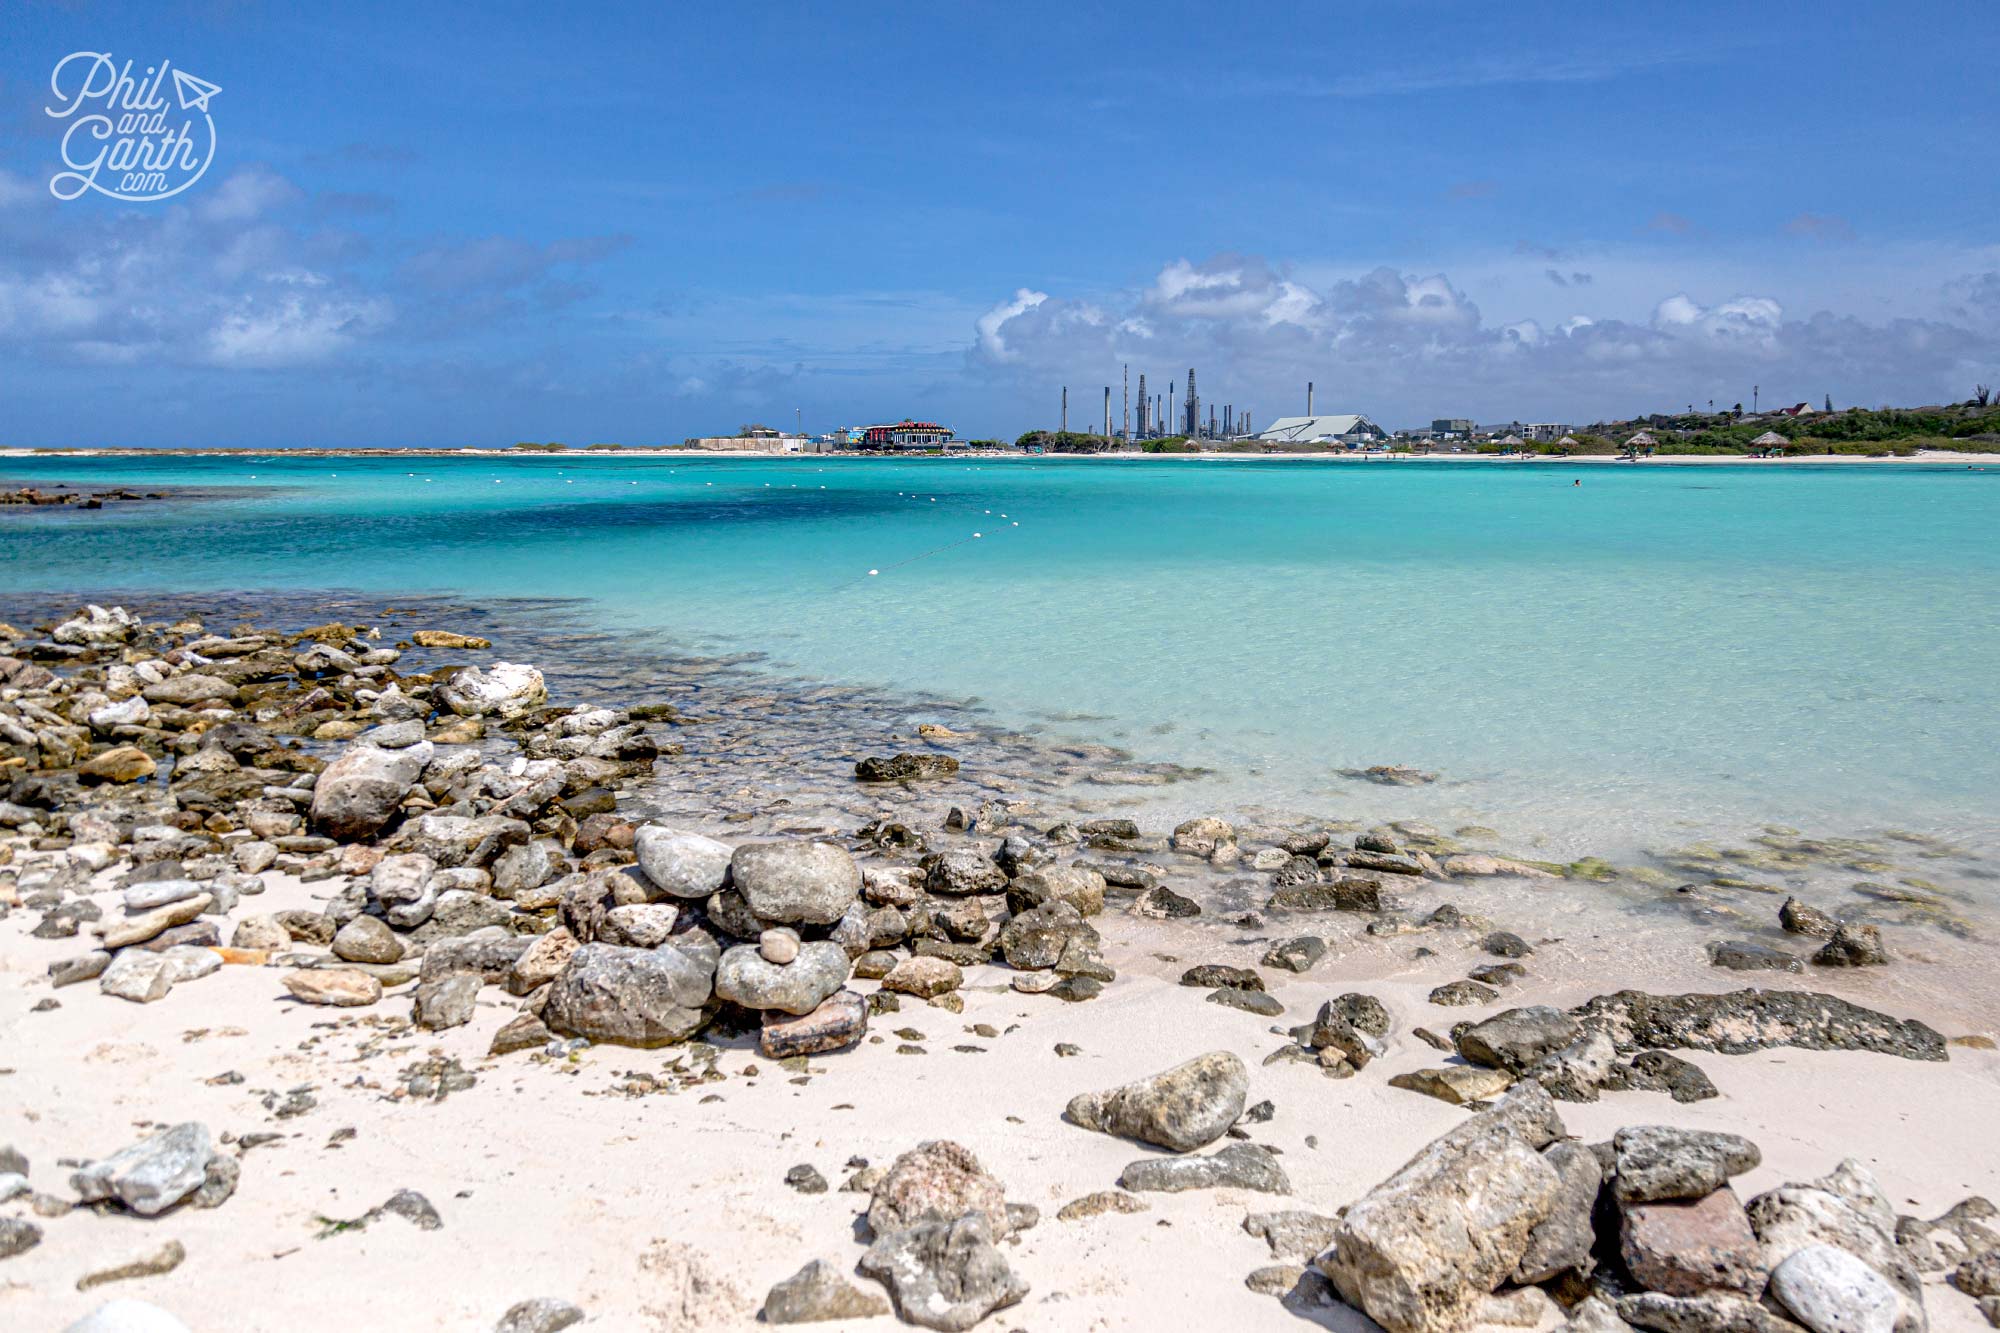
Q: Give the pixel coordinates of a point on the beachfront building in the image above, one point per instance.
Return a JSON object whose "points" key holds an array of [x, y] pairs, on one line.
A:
{"points": [[1349, 429], [1547, 432], [1446, 428], [908, 435]]}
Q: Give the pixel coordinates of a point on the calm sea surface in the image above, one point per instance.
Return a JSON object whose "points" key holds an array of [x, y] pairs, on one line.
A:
{"points": [[1654, 655]]}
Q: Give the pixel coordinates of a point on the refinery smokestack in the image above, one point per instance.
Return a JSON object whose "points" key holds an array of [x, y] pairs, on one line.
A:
{"points": [[1309, 397], [1065, 411], [1107, 411]]}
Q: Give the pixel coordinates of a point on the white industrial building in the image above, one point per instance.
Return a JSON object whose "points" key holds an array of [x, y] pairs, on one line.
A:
{"points": [[1346, 428]]}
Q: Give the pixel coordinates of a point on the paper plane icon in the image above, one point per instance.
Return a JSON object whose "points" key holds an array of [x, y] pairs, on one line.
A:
{"points": [[194, 93]]}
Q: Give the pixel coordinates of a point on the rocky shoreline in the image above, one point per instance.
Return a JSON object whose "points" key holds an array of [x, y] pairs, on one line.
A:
{"points": [[368, 839]]}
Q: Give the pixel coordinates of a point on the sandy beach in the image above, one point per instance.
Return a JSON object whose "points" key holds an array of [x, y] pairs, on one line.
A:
{"points": [[654, 1188]]}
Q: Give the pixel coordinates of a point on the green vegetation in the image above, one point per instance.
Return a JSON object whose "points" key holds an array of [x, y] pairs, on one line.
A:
{"points": [[601, 448], [1969, 427], [1176, 444], [1067, 442], [550, 448]]}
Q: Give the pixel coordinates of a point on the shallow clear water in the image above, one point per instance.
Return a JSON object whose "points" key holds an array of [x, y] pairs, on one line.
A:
{"points": [[1654, 653]]}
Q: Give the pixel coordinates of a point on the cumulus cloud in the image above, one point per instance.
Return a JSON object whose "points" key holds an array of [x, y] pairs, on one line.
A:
{"points": [[1405, 346]]}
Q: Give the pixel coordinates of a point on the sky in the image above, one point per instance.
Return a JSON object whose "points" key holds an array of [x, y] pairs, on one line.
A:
{"points": [[427, 224]]}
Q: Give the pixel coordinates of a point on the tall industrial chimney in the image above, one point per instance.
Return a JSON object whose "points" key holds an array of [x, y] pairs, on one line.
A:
{"points": [[1193, 408], [1065, 411], [1309, 397], [1107, 411], [1145, 404]]}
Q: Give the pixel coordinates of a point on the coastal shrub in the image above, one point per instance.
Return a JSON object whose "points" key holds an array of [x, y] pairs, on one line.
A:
{"points": [[596, 448], [1179, 444]]}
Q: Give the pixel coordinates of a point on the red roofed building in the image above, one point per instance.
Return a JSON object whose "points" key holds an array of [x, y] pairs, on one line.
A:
{"points": [[907, 435]]}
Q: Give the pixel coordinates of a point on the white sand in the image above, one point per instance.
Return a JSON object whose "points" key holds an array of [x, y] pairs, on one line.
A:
{"points": [[550, 1184]]}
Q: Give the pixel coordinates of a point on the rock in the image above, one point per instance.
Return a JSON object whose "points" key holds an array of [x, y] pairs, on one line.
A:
{"points": [[936, 1181], [795, 882], [1202, 837], [138, 976], [1853, 946], [961, 872], [1039, 936], [923, 977], [1505, 944], [1515, 1039], [1830, 1291], [18, 1236], [1847, 1210], [1577, 1071], [1292, 1234], [1079, 886], [523, 1032], [1103, 1201], [1666, 1162], [540, 963], [83, 967], [685, 865], [817, 1293], [747, 978], [447, 1002], [367, 939], [342, 987], [1754, 1020], [1658, 1071], [506, 690], [523, 868], [191, 689], [778, 946], [1209, 976], [633, 997], [139, 929], [944, 1275], [125, 763], [1465, 864], [1685, 1246], [1593, 1314], [543, 1314], [1419, 1251], [260, 932], [153, 1263], [127, 1316], [1160, 903], [906, 768], [1979, 1276], [1801, 919], [1297, 954], [95, 627], [361, 789], [1461, 993], [840, 1021], [1461, 1085], [1564, 1239], [153, 1174], [1249, 1001], [1749, 956], [1710, 1312], [1186, 1107], [1244, 1166]]}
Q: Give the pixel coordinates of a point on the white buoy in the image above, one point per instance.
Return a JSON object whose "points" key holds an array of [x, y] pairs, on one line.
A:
{"points": [[873, 572], [979, 534]]}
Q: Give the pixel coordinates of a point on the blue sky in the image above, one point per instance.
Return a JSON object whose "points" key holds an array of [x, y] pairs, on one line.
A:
{"points": [[433, 225]]}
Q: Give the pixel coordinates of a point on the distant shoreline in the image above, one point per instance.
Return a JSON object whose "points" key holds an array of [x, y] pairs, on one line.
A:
{"points": [[1928, 457]]}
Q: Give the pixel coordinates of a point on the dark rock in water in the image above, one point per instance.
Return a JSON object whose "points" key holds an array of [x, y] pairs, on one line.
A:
{"points": [[1163, 904], [1754, 1020], [906, 768], [1243, 1166], [817, 1293], [1800, 919], [1665, 1162], [1391, 775], [1350, 893], [1183, 1108], [1221, 975], [1853, 946], [543, 1314], [1747, 956], [1515, 1039], [944, 1275], [1660, 1071], [1249, 1001], [1497, 974], [1685, 1247], [1297, 954], [1464, 993], [1389, 863], [1506, 944]]}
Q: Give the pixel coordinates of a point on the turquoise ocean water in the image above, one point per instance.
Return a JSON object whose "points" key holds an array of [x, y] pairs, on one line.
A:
{"points": [[1653, 654]]}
